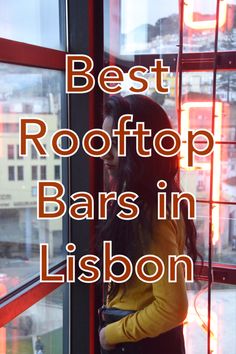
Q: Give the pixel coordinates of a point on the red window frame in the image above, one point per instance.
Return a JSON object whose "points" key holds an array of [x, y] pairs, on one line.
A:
{"points": [[27, 294]]}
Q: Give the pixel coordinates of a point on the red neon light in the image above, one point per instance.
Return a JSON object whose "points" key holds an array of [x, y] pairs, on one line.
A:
{"points": [[185, 119], [207, 24], [200, 318]]}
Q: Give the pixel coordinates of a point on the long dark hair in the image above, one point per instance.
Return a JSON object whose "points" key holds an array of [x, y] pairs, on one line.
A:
{"points": [[140, 175]]}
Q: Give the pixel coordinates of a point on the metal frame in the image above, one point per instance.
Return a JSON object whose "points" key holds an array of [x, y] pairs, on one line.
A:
{"points": [[85, 18], [221, 275], [13, 52], [190, 61]]}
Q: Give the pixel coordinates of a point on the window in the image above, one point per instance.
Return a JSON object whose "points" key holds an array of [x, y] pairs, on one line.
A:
{"points": [[32, 88], [11, 173], [20, 173], [17, 153], [57, 174], [34, 153], [32, 22], [44, 157], [34, 191], [145, 31], [29, 326], [57, 157], [200, 186], [43, 172], [10, 152], [31, 81], [8, 127], [34, 173]]}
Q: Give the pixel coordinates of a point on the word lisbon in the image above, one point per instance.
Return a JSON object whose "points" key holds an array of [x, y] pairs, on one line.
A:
{"points": [[91, 273]]}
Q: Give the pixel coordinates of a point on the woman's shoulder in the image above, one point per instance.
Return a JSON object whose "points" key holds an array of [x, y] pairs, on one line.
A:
{"points": [[169, 230]]}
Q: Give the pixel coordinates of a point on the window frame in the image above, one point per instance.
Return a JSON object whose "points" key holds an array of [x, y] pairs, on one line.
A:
{"points": [[32, 290]]}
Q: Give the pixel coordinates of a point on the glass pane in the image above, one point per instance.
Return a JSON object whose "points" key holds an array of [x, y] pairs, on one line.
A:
{"points": [[147, 29], [227, 35], [197, 103], [223, 319], [226, 93], [194, 331], [154, 26], [197, 180], [197, 87], [199, 25], [224, 240], [38, 22], [150, 29], [167, 101], [38, 330], [227, 173], [26, 92], [202, 226]]}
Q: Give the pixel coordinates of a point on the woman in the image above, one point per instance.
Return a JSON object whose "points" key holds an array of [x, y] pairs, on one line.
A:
{"points": [[155, 325]]}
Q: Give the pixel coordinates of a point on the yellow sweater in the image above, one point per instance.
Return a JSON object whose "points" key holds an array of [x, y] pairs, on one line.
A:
{"points": [[160, 306]]}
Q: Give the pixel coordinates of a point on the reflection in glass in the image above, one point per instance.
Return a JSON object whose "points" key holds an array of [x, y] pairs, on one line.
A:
{"points": [[202, 227], [227, 183], [196, 180], [167, 101], [227, 33], [146, 29], [223, 234], [194, 325], [223, 320], [224, 248], [223, 324], [200, 23], [153, 28], [26, 92], [38, 328], [197, 102]]}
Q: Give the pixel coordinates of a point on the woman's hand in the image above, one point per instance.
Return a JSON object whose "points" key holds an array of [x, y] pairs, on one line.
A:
{"points": [[103, 341]]}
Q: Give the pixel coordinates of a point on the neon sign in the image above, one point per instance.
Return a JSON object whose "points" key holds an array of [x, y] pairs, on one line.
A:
{"points": [[205, 24]]}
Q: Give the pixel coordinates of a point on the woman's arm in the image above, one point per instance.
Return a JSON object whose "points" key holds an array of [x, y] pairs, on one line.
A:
{"points": [[103, 341], [170, 304]]}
